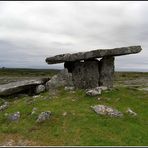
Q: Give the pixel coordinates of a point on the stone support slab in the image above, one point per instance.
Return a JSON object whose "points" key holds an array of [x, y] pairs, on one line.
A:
{"points": [[106, 71], [85, 74]]}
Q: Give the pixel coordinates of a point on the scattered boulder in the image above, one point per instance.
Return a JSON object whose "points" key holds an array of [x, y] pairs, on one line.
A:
{"points": [[4, 106], [43, 116], [14, 117], [93, 92], [106, 110], [129, 111], [61, 79], [39, 89]]}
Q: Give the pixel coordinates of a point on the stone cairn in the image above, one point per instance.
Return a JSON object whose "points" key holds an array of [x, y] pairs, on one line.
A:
{"points": [[90, 72]]}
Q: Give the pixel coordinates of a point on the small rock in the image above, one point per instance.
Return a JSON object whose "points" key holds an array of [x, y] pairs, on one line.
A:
{"points": [[131, 112], [64, 114], [43, 116], [14, 116], [70, 88], [36, 96], [39, 89], [4, 106], [73, 100], [99, 99], [10, 142], [106, 110], [103, 88], [93, 92], [34, 110]]}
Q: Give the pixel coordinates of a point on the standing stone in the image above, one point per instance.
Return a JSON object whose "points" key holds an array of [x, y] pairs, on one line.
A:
{"points": [[106, 71], [85, 74]]}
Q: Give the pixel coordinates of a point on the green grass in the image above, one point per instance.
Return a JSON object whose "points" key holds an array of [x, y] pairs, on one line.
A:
{"points": [[81, 126]]}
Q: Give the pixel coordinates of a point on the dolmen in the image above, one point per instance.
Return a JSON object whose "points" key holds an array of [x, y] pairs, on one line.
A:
{"points": [[86, 68]]}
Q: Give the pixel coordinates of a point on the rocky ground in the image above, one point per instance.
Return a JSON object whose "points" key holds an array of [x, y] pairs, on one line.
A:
{"points": [[139, 80]]}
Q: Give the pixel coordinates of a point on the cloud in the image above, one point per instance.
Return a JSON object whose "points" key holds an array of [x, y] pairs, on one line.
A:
{"points": [[32, 31]]}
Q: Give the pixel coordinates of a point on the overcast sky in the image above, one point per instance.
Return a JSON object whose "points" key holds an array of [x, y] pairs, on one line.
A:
{"points": [[32, 31]]}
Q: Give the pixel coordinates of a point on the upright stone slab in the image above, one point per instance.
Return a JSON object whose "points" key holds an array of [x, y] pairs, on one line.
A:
{"points": [[85, 74], [106, 71]]}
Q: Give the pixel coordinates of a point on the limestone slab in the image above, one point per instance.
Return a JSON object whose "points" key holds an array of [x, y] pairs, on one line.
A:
{"points": [[15, 87], [93, 54]]}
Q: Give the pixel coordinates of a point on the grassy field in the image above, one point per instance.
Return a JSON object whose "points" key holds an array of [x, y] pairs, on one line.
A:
{"points": [[81, 126]]}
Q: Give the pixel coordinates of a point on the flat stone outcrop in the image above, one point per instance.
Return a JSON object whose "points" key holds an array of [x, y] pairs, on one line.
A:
{"points": [[16, 87], [99, 53]]}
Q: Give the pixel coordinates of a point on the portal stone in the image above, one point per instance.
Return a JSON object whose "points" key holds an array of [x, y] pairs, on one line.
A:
{"points": [[106, 71], [85, 74]]}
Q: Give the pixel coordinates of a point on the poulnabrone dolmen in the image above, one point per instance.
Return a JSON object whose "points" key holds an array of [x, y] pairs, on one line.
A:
{"points": [[90, 72]]}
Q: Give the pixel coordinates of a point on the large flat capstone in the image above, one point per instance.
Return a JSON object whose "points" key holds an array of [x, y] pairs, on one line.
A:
{"points": [[93, 54], [15, 87]]}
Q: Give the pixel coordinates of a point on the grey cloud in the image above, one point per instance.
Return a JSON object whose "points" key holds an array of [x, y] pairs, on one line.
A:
{"points": [[33, 31]]}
